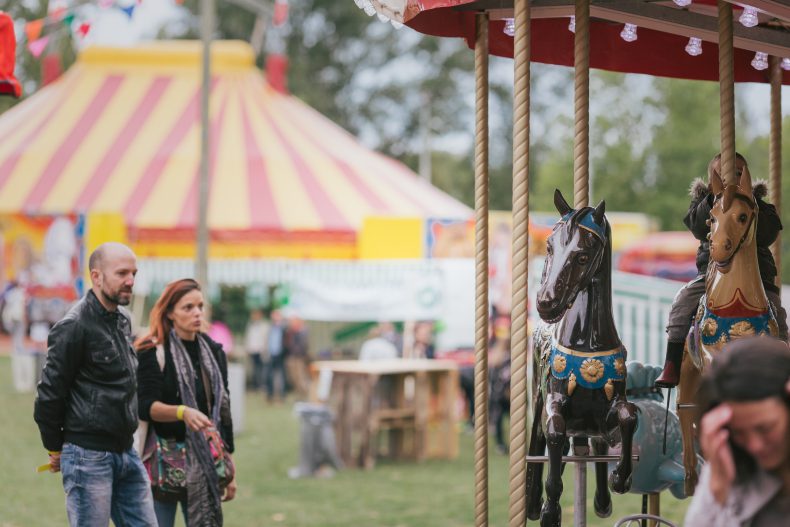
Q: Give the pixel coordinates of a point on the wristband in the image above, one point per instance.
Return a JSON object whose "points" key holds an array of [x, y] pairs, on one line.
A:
{"points": [[180, 412]]}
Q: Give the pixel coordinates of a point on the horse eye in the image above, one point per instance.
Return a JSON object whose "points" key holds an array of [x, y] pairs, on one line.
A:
{"points": [[582, 259], [742, 218], [713, 219]]}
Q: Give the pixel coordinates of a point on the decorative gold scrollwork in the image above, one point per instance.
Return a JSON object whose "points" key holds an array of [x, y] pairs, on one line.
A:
{"points": [[559, 364], [709, 327], [609, 389], [571, 384], [743, 328], [619, 367], [592, 370]]}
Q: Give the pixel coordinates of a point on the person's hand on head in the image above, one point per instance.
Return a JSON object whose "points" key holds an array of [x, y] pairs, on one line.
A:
{"points": [[196, 420], [714, 440]]}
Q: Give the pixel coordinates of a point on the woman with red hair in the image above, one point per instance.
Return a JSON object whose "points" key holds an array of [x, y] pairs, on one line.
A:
{"points": [[183, 392]]}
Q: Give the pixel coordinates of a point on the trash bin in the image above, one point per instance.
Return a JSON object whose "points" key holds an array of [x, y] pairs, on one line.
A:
{"points": [[317, 442]]}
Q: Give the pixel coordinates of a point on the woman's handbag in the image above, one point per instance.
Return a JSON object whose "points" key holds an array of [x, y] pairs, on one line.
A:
{"points": [[166, 464]]}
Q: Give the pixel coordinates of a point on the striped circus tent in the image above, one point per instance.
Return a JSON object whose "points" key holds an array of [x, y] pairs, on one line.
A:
{"points": [[119, 134]]}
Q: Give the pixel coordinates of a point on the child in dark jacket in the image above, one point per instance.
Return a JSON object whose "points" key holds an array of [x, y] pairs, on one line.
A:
{"points": [[687, 299]]}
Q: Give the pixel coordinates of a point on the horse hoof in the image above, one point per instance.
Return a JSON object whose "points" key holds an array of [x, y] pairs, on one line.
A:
{"points": [[533, 510], [618, 483], [603, 510], [551, 515], [690, 483]]}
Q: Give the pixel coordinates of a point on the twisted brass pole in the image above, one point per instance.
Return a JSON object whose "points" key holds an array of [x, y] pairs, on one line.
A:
{"points": [[726, 92], [775, 156], [581, 95], [481, 270], [520, 396]]}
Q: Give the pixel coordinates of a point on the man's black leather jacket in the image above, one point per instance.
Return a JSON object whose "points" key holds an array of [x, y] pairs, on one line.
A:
{"points": [[88, 389]]}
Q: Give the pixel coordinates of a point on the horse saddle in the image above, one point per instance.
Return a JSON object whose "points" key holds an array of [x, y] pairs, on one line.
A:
{"points": [[591, 370]]}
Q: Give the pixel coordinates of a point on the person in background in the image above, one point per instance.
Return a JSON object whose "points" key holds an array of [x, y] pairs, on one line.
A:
{"points": [[423, 341], [297, 356], [275, 349], [745, 437], [388, 332], [86, 405], [255, 346], [186, 396], [376, 347]]}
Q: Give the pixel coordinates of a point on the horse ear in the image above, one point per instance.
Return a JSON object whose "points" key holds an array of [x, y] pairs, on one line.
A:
{"points": [[746, 181], [716, 184], [599, 212], [562, 206]]}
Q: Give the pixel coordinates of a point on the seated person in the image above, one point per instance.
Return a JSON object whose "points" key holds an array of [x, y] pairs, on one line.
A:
{"points": [[745, 437], [687, 299]]}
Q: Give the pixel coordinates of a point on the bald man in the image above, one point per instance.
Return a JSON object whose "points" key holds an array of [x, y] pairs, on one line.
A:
{"points": [[86, 405]]}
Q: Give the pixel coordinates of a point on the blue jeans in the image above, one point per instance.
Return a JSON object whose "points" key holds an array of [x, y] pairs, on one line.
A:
{"points": [[166, 512], [102, 485]]}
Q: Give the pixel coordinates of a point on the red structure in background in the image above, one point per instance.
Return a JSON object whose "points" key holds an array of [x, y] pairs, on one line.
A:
{"points": [[8, 83]]}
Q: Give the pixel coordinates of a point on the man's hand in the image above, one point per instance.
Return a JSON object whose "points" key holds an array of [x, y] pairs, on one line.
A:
{"points": [[54, 461], [714, 440]]}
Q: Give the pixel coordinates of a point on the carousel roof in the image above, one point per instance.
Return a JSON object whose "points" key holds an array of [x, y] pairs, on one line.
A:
{"points": [[663, 32], [120, 133]]}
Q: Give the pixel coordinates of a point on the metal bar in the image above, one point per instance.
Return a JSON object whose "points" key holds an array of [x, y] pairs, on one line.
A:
{"points": [[580, 496], [775, 156], [207, 28], [579, 459], [481, 270]]}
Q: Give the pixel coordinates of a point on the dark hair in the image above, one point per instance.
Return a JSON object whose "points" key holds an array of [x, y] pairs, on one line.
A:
{"points": [[159, 324], [747, 370]]}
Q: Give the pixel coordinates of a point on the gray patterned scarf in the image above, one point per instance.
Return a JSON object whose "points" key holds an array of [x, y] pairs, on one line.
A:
{"points": [[204, 498]]}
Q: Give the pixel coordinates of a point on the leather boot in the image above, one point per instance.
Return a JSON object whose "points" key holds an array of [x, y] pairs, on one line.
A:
{"points": [[670, 377]]}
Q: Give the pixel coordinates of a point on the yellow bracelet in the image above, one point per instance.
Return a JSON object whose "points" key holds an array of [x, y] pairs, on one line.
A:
{"points": [[180, 412]]}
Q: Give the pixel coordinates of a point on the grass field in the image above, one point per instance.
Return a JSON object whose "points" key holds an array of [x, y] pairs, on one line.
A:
{"points": [[432, 494]]}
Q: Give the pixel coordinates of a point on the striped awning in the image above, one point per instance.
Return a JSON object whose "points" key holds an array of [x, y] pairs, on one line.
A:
{"points": [[120, 133]]}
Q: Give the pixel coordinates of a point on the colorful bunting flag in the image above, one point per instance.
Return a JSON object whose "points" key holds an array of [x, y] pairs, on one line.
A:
{"points": [[280, 12], [33, 29], [84, 28], [38, 46], [129, 10], [106, 4]]}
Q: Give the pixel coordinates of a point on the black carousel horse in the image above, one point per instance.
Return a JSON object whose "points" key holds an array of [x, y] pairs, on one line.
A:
{"points": [[580, 374]]}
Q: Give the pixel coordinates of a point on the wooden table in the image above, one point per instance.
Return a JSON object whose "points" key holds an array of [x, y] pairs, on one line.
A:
{"points": [[412, 400]]}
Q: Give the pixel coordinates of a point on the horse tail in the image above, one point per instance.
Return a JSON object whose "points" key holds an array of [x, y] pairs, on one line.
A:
{"points": [[537, 447]]}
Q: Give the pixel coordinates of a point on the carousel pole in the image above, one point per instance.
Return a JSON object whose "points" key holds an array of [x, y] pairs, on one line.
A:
{"points": [[481, 270], [581, 139], [581, 194], [520, 393], [206, 29], [726, 92], [775, 156]]}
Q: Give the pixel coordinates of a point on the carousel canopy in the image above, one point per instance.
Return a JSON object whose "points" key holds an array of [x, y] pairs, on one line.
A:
{"points": [[663, 32], [120, 133]]}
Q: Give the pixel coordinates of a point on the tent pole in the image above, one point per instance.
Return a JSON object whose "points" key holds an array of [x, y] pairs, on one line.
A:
{"points": [[520, 393], [481, 270], [206, 29], [775, 155], [726, 92], [581, 95]]}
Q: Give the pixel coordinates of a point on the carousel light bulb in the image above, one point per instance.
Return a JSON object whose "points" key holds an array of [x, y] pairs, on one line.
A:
{"points": [[682, 3], [760, 61], [360, 3], [749, 17], [628, 33], [396, 24], [572, 25], [694, 47], [383, 18], [510, 27], [786, 64]]}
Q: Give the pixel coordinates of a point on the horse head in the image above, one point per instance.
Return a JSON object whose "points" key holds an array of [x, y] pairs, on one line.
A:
{"points": [[574, 252], [733, 218]]}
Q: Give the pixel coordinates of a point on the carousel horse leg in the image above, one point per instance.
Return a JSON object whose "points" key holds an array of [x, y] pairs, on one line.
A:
{"points": [[624, 415], [686, 397], [603, 499], [537, 447], [551, 514]]}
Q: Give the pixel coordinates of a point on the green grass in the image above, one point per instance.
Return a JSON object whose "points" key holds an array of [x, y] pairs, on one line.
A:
{"points": [[435, 493]]}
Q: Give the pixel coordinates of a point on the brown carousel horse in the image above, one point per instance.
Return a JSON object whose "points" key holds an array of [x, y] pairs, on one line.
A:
{"points": [[734, 305], [579, 381]]}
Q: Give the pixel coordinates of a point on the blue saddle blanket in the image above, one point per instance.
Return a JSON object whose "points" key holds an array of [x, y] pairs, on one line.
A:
{"points": [[591, 370]]}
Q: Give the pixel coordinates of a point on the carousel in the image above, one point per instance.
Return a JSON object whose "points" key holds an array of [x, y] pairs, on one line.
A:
{"points": [[579, 364]]}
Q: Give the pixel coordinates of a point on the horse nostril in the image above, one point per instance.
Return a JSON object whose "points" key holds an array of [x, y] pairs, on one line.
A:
{"points": [[727, 245]]}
